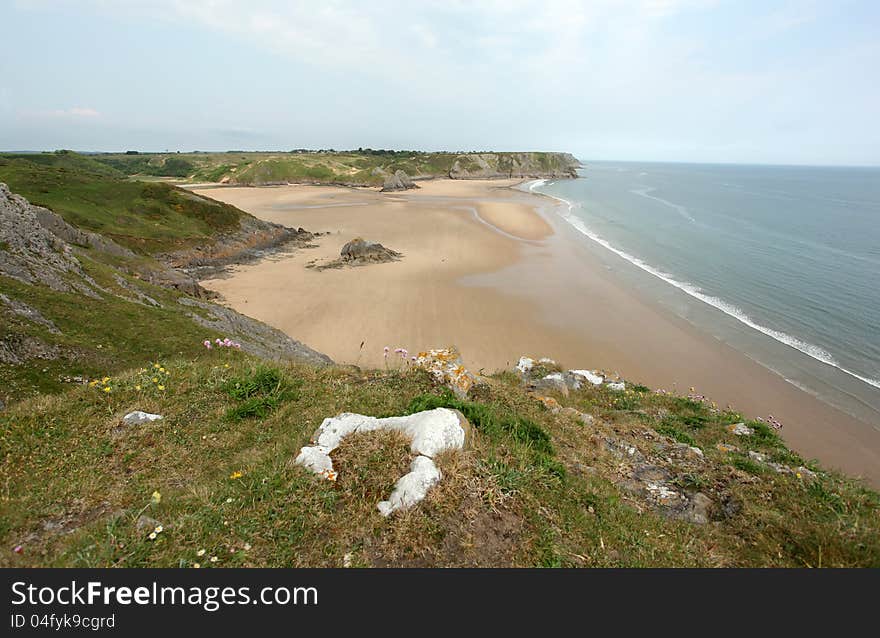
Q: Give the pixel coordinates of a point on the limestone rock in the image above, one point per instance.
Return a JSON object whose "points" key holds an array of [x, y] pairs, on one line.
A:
{"points": [[446, 366], [400, 181], [138, 417], [740, 429], [361, 251], [431, 432]]}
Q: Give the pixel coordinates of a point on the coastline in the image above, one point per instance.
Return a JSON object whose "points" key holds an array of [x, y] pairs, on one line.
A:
{"points": [[495, 271]]}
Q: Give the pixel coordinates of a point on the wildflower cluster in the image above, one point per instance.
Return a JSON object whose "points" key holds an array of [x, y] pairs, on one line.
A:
{"points": [[772, 421], [402, 353], [156, 376], [103, 384], [221, 343]]}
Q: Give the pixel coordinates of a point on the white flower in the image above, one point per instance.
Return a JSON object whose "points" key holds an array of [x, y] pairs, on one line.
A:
{"points": [[201, 552]]}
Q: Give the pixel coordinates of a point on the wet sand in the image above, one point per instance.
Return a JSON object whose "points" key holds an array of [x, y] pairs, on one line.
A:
{"points": [[495, 272]]}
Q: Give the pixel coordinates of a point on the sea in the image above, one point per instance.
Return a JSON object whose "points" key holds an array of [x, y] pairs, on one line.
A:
{"points": [[780, 262]]}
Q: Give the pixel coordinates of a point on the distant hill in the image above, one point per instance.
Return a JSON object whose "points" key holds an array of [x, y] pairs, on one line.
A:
{"points": [[364, 167]]}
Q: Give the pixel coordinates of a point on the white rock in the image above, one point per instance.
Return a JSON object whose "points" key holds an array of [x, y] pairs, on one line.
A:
{"points": [[617, 386], [137, 417], [696, 450], [740, 429], [546, 360], [431, 432], [757, 456], [316, 458], [412, 487], [590, 375], [525, 364]]}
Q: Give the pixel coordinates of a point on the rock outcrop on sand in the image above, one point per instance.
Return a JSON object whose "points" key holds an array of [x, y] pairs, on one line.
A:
{"points": [[400, 181], [359, 252]]}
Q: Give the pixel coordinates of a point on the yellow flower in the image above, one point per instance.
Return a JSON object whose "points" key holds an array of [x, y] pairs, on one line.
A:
{"points": [[107, 389], [196, 565], [161, 387], [156, 498], [155, 380], [137, 387], [225, 365], [235, 475], [105, 379], [161, 369], [156, 365]]}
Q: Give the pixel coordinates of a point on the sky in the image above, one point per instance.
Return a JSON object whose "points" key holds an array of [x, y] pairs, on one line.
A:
{"points": [[646, 80]]}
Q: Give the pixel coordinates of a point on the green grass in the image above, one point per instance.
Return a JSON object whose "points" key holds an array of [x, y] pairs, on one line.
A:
{"points": [[254, 168], [75, 482], [259, 392], [145, 217]]}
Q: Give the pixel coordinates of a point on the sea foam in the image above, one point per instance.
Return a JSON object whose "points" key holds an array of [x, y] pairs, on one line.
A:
{"points": [[813, 351]]}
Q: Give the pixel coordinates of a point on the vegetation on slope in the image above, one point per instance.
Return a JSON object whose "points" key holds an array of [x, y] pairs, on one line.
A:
{"points": [[532, 490], [363, 167], [126, 318], [144, 217]]}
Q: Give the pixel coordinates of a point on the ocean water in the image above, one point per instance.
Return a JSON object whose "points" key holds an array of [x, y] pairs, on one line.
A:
{"points": [[782, 263]]}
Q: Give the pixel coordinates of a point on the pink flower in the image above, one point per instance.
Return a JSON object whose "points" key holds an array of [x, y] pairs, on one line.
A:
{"points": [[207, 343], [218, 342], [18, 549]]}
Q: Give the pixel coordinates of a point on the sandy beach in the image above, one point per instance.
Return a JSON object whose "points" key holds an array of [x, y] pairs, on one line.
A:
{"points": [[493, 271]]}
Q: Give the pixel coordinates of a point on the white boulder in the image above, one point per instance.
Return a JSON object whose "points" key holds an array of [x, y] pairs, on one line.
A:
{"points": [[590, 375], [525, 365], [138, 417], [413, 487], [430, 432]]}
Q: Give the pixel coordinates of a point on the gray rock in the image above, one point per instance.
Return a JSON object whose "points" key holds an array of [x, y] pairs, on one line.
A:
{"points": [[698, 509], [31, 314], [361, 251], [554, 382], [145, 523], [255, 337], [740, 429], [138, 417], [400, 181]]}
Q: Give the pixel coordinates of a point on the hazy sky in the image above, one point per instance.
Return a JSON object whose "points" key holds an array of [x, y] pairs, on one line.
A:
{"points": [[678, 80]]}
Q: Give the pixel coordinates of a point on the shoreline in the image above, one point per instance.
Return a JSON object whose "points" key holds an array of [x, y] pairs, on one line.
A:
{"points": [[508, 279]]}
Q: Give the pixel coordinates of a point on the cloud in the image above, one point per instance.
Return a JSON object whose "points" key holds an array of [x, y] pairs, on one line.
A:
{"points": [[76, 112]]}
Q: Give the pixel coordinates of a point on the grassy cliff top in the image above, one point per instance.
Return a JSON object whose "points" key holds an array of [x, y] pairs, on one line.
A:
{"points": [[363, 167], [142, 216], [537, 487]]}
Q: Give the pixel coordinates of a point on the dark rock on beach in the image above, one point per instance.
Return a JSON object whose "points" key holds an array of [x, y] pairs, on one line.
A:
{"points": [[400, 181]]}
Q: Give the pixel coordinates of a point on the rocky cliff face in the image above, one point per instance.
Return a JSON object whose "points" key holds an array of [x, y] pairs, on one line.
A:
{"points": [[514, 165], [38, 248]]}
